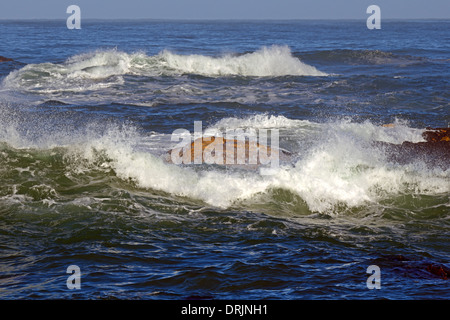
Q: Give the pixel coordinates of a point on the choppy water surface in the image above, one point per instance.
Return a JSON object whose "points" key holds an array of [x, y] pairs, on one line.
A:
{"points": [[86, 120]]}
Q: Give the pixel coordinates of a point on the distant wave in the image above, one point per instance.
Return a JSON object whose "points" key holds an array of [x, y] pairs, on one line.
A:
{"points": [[99, 69], [266, 62]]}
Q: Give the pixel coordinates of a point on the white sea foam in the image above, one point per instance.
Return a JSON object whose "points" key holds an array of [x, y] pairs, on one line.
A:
{"points": [[265, 62], [396, 133], [104, 68], [343, 170], [263, 121], [340, 168]]}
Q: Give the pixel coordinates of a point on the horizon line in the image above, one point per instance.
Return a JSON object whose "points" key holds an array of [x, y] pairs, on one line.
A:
{"points": [[216, 19]]}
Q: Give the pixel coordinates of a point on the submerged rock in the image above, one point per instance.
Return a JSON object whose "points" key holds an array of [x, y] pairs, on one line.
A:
{"points": [[227, 151], [414, 267], [4, 59]]}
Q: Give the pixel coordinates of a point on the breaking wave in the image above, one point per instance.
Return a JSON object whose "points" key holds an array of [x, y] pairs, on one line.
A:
{"points": [[100, 69], [267, 62], [345, 169]]}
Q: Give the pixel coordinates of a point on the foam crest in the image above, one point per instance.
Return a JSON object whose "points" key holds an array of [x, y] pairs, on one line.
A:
{"points": [[348, 173], [266, 62], [343, 170], [263, 121], [395, 133], [80, 73], [340, 171], [217, 188], [98, 65], [104, 68]]}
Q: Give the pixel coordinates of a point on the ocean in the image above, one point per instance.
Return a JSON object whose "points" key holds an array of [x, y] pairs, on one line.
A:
{"points": [[91, 208]]}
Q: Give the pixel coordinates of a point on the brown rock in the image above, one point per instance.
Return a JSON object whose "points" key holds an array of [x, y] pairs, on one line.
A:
{"points": [[435, 135], [3, 59], [240, 152]]}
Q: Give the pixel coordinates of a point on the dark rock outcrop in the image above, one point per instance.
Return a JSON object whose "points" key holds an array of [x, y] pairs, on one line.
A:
{"points": [[434, 151], [4, 59]]}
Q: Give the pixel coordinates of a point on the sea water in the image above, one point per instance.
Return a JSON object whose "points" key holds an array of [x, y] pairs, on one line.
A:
{"points": [[86, 121]]}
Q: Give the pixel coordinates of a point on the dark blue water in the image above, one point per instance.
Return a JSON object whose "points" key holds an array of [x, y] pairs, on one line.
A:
{"points": [[86, 121]]}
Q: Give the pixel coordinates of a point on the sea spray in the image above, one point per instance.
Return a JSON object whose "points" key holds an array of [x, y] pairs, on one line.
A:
{"points": [[334, 163]]}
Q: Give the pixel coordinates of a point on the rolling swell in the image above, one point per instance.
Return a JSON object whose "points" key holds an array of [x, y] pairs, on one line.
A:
{"points": [[361, 57]]}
